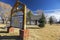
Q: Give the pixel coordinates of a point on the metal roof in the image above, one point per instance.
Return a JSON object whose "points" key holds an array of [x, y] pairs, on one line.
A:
{"points": [[35, 17]]}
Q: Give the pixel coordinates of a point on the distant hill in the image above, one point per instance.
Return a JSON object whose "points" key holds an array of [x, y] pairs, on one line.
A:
{"points": [[5, 5], [5, 9]]}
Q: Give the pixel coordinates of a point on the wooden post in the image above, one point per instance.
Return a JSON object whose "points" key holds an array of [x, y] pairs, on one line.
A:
{"points": [[24, 23], [24, 17]]}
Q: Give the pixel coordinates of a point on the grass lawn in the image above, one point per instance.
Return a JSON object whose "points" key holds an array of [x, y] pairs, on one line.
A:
{"points": [[49, 32]]}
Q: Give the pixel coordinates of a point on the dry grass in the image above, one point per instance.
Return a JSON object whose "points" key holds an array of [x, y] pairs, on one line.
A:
{"points": [[2, 25], [15, 33], [49, 32]]}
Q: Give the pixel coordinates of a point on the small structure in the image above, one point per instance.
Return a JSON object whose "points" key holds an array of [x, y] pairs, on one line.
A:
{"points": [[34, 19]]}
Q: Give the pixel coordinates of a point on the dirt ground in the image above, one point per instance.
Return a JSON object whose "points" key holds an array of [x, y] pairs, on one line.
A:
{"points": [[49, 32]]}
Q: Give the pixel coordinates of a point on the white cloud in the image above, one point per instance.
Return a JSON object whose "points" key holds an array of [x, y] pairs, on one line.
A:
{"points": [[55, 13], [37, 12], [48, 13]]}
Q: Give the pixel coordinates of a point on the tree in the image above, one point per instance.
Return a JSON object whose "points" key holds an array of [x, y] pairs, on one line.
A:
{"points": [[51, 20], [42, 21], [29, 14], [5, 17]]}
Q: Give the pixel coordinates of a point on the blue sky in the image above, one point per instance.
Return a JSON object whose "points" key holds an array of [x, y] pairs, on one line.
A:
{"points": [[50, 7], [37, 4]]}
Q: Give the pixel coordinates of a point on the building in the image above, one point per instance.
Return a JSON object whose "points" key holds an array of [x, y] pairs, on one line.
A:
{"points": [[34, 19]]}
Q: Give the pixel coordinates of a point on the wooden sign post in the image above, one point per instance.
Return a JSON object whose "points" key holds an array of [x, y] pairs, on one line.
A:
{"points": [[23, 10]]}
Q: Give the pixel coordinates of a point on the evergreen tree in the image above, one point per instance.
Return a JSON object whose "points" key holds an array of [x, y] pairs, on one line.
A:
{"points": [[42, 21], [51, 20]]}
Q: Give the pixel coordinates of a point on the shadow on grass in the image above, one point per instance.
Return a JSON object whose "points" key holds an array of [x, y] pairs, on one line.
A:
{"points": [[10, 38], [33, 27], [41, 27]]}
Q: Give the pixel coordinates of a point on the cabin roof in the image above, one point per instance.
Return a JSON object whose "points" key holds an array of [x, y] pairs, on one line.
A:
{"points": [[35, 17]]}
